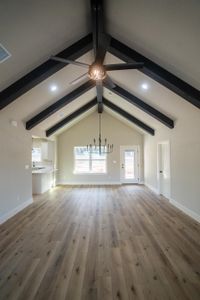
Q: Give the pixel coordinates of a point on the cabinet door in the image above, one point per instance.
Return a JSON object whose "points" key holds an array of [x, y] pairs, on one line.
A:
{"points": [[44, 148]]}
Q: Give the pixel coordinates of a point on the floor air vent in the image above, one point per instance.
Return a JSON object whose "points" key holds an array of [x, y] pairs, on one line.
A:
{"points": [[4, 54]]}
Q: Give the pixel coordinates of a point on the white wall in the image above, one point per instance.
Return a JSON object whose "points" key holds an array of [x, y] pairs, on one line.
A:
{"points": [[185, 159], [82, 134], [15, 180]]}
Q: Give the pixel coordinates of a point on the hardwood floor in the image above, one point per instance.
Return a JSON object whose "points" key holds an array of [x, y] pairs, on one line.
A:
{"points": [[115, 242]]}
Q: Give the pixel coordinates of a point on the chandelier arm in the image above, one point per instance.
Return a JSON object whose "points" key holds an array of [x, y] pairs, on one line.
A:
{"points": [[107, 148]]}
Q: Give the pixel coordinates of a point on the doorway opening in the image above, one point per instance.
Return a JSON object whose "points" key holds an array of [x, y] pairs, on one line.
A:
{"points": [[129, 161], [163, 169]]}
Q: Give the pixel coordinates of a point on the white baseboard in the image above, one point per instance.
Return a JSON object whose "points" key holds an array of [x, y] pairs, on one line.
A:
{"points": [[89, 183], [13, 212], [153, 189], [186, 210]]}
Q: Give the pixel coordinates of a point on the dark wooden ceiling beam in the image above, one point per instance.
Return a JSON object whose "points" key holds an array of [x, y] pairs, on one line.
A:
{"points": [[96, 13], [100, 43], [128, 117], [71, 117], [46, 113], [100, 39], [100, 107], [44, 71], [142, 105], [156, 72]]}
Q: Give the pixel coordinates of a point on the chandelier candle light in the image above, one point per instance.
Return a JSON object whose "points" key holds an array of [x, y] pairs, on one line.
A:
{"points": [[102, 147]]}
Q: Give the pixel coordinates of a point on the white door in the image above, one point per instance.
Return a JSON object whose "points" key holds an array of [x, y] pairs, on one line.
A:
{"points": [[164, 169], [129, 164]]}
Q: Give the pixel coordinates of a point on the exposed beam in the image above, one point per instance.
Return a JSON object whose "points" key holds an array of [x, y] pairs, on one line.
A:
{"points": [[100, 39], [59, 104], [156, 72], [100, 108], [71, 117], [142, 105], [99, 89], [100, 42], [129, 117], [44, 71], [97, 24]]}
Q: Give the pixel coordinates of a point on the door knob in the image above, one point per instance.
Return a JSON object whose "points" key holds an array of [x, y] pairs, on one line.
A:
{"points": [[161, 172], [122, 166]]}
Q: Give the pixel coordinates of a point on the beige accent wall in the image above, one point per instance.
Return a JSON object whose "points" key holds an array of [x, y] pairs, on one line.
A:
{"points": [[82, 134], [15, 167], [185, 159]]}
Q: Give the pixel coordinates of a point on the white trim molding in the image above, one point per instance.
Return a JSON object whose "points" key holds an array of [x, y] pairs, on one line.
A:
{"points": [[153, 189], [88, 183], [186, 210], [95, 183], [13, 212]]}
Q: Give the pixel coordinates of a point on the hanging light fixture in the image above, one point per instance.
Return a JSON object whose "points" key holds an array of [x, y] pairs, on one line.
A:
{"points": [[97, 72], [99, 145]]}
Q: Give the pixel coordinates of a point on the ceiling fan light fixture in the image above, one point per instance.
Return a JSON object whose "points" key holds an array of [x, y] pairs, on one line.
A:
{"points": [[97, 72]]}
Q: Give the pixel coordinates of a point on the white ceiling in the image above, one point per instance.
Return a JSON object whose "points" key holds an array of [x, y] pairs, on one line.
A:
{"points": [[165, 31], [33, 30]]}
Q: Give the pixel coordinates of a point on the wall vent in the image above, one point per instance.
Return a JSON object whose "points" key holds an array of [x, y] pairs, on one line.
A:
{"points": [[4, 54]]}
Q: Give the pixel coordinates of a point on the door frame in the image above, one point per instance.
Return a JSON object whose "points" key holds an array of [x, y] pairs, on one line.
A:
{"points": [[166, 142], [137, 150]]}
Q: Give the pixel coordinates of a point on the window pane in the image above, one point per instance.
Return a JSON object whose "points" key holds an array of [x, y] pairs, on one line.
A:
{"points": [[81, 153], [82, 166], [98, 166], [86, 162], [129, 164], [36, 155], [97, 155]]}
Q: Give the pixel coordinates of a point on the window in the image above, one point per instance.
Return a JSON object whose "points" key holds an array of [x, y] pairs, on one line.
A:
{"points": [[36, 155], [85, 162]]}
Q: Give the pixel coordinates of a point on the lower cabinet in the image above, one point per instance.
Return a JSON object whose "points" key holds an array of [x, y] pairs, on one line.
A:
{"points": [[42, 182]]}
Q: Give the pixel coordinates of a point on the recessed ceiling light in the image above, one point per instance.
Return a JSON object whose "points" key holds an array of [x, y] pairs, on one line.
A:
{"points": [[145, 86], [53, 88]]}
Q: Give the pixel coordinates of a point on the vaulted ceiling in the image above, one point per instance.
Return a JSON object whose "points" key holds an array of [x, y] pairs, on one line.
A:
{"points": [[166, 33]]}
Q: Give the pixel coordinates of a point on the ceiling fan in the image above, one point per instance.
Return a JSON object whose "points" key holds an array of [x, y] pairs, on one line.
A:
{"points": [[97, 71]]}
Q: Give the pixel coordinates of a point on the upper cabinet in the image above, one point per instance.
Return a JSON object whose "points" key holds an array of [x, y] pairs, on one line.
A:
{"points": [[46, 149]]}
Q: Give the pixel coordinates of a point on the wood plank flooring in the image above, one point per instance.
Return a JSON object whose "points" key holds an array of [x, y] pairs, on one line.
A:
{"points": [[113, 242]]}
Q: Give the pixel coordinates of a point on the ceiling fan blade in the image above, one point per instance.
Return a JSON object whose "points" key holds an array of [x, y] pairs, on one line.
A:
{"points": [[99, 88], [78, 79], [68, 61], [108, 81], [115, 67]]}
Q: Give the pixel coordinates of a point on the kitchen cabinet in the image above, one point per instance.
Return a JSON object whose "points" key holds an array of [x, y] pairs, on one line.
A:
{"points": [[47, 149]]}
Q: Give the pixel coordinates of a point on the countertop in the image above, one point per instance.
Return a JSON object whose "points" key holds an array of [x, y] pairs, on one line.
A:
{"points": [[43, 170]]}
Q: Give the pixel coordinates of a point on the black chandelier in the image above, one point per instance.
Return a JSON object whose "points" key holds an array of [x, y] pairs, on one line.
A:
{"points": [[100, 146]]}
